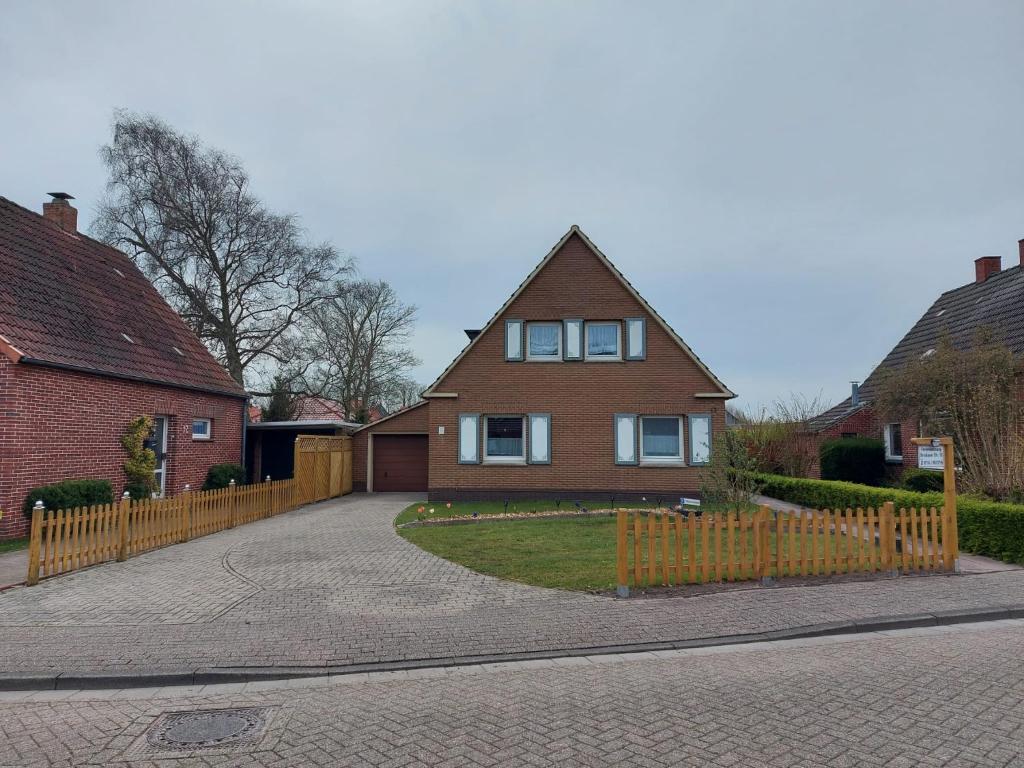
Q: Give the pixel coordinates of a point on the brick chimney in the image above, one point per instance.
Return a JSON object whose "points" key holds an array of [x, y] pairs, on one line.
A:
{"points": [[985, 267], [61, 212]]}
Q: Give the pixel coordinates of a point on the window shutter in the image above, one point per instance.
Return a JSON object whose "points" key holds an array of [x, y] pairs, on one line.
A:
{"points": [[513, 339], [572, 347], [636, 338], [469, 438], [700, 439], [625, 438], [540, 438]]}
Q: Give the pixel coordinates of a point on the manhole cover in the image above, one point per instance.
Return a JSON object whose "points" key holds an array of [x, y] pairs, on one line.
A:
{"points": [[200, 730]]}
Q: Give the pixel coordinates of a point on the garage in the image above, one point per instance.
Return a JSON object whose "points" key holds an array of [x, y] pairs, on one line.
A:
{"points": [[399, 462]]}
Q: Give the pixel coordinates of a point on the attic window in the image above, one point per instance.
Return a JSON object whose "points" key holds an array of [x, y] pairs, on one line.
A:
{"points": [[178, 351], [928, 352], [118, 271], [127, 338]]}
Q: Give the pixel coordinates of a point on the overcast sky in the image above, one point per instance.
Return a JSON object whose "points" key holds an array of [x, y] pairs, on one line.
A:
{"points": [[790, 184]]}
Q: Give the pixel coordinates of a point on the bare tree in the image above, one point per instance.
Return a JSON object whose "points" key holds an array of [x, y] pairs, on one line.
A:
{"points": [[972, 394], [359, 340], [241, 276], [401, 394], [779, 440]]}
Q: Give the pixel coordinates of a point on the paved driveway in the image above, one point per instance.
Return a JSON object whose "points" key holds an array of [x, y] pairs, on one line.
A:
{"points": [[333, 584]]}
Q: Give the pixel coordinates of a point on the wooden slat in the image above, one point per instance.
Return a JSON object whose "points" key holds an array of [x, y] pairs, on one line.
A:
{"points": [[719, 543], [638, 573], [652, 564], [705, 540], [729, 566], [915, 552], [679, 576], [664, 549], [829, 543], [691, 546], [936, 561]]}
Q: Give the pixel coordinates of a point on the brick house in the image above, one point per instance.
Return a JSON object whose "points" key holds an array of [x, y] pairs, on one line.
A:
{"points": [[992, 301], [575, 388], [86, 345]]}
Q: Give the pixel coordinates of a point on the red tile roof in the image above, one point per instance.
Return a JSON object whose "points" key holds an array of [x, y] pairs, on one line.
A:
{"points": [[69, 300]]}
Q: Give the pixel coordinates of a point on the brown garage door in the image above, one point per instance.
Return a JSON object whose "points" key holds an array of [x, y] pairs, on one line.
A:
{"points": [[400, 462]]}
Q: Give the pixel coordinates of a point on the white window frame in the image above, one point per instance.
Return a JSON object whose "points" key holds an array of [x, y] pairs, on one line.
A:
{"points": [[487, 458], [618, 342], [209, 429], [887, 433], [671, 461], [555, 358]]}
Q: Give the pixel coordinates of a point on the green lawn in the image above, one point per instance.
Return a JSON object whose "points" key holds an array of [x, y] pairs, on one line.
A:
{"points": [[12, 545], [576, 554], [483, 508]]}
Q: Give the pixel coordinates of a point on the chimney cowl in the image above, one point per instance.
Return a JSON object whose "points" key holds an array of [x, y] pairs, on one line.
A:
{"points": [[61, 212], [1020, 250], [985, 267], [854, 393]]}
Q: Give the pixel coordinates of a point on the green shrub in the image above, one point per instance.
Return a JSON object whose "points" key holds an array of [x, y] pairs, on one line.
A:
{"points": [[855, 459], [990, 528], [138, 491], [221, 475], [922, 480], [69, 494]]}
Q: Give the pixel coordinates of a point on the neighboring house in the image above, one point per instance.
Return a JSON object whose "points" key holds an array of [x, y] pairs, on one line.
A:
{"points": [[309, 407], [993, 301], [575, 388], [87, 344]]}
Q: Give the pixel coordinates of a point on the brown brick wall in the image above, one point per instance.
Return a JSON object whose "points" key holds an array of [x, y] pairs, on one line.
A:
{"points": [[580, 396], [59, 425], [413, 420]]}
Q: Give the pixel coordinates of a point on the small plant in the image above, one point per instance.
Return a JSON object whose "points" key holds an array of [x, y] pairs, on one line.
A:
{"points": [[141, 464], [221, 475]]}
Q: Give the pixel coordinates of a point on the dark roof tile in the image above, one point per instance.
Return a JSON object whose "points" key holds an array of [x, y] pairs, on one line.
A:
{"points": [[69, 300]]}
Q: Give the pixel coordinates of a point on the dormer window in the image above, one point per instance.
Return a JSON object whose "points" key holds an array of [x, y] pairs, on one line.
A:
{"points": [[603, 341], [544, 341]]}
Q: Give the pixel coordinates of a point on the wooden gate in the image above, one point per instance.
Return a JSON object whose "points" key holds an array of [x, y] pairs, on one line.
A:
{"points": [[323, 467]]}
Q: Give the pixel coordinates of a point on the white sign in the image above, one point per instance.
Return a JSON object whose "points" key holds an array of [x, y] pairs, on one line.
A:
{"points": [[689, 502], [930, 457]]}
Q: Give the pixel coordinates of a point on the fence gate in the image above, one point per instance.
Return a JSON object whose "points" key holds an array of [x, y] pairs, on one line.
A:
{"points": [[323, 467]]}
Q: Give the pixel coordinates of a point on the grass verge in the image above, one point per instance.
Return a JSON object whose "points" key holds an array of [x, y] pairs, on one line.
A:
{"points": [[13, 545]]}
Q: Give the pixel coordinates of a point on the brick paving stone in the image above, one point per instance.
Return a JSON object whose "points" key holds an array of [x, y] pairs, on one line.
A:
{"points": [[333, 584], [868, 701]]}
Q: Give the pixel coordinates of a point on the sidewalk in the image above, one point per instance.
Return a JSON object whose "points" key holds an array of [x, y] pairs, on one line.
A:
{"points": [[968, 563], [13, 567]]}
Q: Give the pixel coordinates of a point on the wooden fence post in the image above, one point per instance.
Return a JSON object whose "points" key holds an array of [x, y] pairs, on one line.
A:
{"points": [[232, 503], [622, 553], [186, 513], [122, 526], [887, 537], [35, 543], [950, 542], [763, 545]]}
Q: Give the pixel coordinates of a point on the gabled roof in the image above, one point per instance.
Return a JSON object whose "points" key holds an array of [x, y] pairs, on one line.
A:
{"points": [[399, 412], [722, 390], [69, 301], [997, 304]]}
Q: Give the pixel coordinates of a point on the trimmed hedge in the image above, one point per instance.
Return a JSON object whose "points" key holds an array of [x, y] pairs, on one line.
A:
{"points": [[221, 475], [989, 528], [69, 494], [856, 459], [921, 480]]}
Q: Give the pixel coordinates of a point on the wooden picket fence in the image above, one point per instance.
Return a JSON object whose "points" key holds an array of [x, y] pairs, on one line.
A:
{"points": [[66, 540], [323, 467], [669, 548]]}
